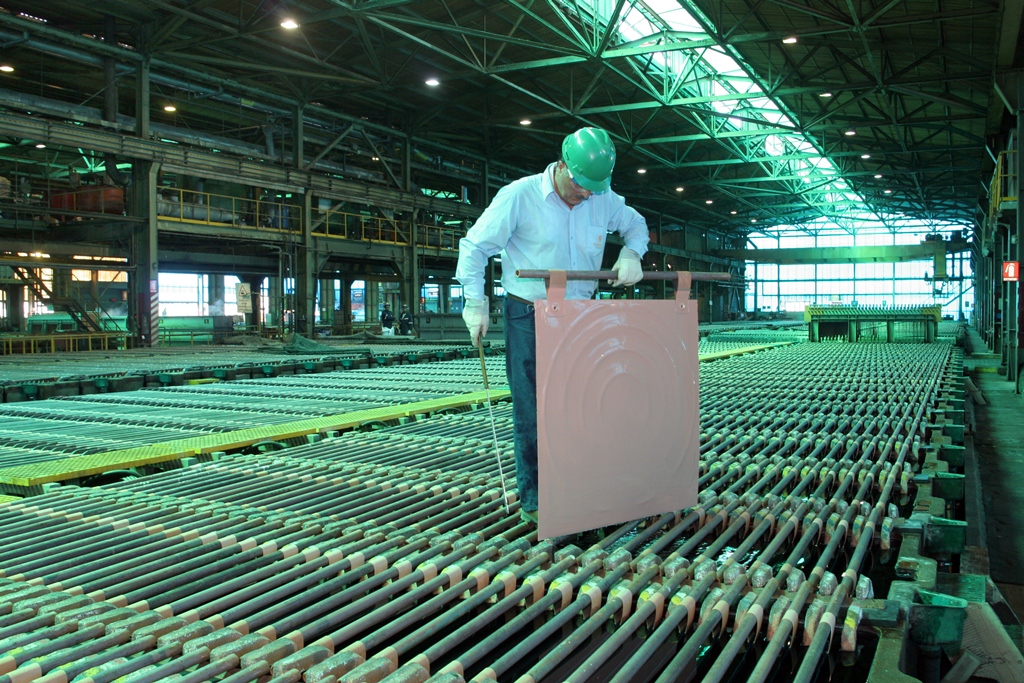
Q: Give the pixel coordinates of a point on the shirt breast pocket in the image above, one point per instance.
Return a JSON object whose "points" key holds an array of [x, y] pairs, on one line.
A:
{"points": [[595, 241]]}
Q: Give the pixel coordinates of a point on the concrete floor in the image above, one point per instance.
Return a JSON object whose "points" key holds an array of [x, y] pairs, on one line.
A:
{"points": [[999, 444]]}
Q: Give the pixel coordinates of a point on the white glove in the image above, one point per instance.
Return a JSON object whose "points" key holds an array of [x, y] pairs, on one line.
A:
{"points": [[477, 315], [627, 269]]}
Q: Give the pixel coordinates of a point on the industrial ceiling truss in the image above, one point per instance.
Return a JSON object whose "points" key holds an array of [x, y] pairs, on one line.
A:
{"points": [[731, 115]]}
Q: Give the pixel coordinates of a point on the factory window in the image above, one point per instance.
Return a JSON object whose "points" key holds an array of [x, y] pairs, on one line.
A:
{"points": [[183, 294], [231, 295], [430, 299], [455, 299], [792, 287], [82, 275], [359, 301], [113, 276]]}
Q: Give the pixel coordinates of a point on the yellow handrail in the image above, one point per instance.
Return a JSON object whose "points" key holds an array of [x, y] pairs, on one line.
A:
{"points": [[1004, 186], [205, 208], [355, 226], [52, 343], [191, 206]]}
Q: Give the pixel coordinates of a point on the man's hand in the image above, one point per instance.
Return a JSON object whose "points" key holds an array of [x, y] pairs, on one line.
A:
{"points": [[627, 269], [476, 315]]}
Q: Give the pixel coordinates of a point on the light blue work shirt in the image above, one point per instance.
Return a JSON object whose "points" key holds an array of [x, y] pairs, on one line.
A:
{"points": [[534, 229]]}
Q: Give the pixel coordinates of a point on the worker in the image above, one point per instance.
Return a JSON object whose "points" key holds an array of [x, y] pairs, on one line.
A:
{"points": [[405, 321], [556, 219], [387, 320]]}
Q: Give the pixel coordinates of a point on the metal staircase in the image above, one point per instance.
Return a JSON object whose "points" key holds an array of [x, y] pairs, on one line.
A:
{"points": [[85, 320]]}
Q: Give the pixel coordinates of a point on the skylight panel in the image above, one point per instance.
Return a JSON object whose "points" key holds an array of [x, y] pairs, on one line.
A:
{"points": [[718, 75]]}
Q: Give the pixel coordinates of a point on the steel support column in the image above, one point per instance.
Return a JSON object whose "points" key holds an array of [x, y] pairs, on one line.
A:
{"points": [[371, 301], [755, 289], [254, 320], [215, 297], [999, 293], [16, 306], [142, 99], [327, 302], [992, 295], [305, 272], [414, 264], [298, 138], [407, 164], [275, 317], [345, 311], [485, 184], [1015, 251], [143, 281]]}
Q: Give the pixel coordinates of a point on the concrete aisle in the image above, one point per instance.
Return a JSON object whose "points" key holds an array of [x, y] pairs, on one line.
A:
{"points": [[999, 445]]}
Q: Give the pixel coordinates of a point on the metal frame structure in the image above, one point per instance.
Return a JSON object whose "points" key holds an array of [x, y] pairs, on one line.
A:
{"points": [[729, 117], [725, 99]]}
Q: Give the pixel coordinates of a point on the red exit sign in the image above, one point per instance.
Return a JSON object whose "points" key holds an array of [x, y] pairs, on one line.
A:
{"points": [[1011, 271]]}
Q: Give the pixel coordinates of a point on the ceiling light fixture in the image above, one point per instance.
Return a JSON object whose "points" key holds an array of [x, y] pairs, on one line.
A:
{"points": [[825, 94], [170, 107], [753, 220], [790, 40], [851, 132], [376, 158], [709, 201], [888, 192], [733, 213], [525, 122], [7, 68], [680, 188], [433, 82], [290, 24], [40, 146], [865, 156], [878, 175], [641, 170]]}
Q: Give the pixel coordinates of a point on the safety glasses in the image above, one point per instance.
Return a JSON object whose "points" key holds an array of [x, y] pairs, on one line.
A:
{"points": [[576, 186]]}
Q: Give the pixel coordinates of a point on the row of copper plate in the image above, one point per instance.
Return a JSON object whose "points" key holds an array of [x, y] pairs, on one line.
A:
{"points": [[256, 352], [389, 555], [36, 431]]}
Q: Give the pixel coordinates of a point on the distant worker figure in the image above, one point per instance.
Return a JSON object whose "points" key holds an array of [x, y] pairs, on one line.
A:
{"points": [[405, 321], [557, 219], [387, 319]]}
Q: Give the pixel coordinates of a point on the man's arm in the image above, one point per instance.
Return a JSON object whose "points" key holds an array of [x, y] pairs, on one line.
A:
{"points": [[632, 227], [487, 237]]}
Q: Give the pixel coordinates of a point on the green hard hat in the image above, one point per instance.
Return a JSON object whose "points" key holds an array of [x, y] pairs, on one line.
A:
{"points": [[590, 155]]}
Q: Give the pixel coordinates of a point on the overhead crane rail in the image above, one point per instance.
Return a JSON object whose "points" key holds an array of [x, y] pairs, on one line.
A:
{"points": [[388, 555]]}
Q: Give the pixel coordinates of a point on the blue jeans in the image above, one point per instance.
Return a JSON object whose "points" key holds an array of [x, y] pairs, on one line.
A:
{"points": [[521, 368]]}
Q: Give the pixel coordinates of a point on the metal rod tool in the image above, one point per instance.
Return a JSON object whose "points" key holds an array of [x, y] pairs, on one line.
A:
{"points": [[611, 275], [494, 429]]}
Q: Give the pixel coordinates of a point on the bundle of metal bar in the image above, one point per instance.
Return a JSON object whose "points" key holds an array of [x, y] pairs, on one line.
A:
{"points": [[153, 361], [40, 431], [389, 556]]}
